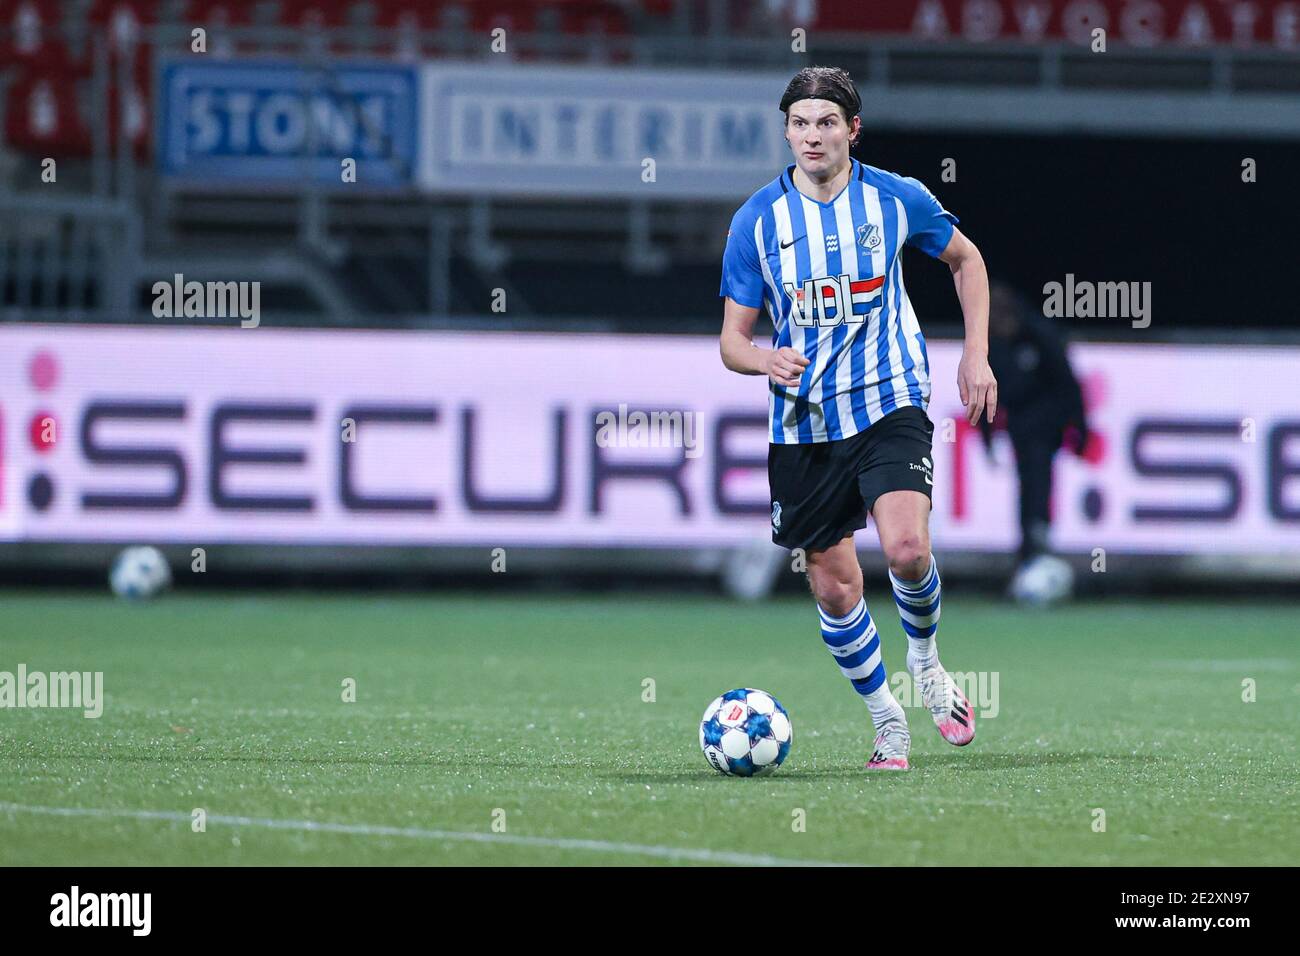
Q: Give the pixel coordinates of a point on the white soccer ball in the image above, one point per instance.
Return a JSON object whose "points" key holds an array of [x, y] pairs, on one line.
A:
{"points": [[1042, 581], [139, 572], [745, 732]]}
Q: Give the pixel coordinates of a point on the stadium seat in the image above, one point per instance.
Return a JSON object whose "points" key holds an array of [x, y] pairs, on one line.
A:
{"points": [[518, 15], [216, 17], [312, 18], [122, 21], [404, 21], [314, 13], [41, 114], [586, 17], [29, 33]]}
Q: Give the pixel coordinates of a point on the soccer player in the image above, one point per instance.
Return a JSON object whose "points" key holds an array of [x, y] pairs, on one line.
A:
{"points": [[849, 381]]}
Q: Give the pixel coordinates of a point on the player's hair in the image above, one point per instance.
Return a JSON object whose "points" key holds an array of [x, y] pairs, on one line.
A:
{"points": [[823, 83]]}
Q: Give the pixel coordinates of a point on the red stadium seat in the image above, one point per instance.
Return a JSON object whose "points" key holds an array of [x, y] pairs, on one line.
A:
{"points": [[311, 18], [518, 15], [585, 17], [221, 12], [314, 13], [217, 17], [139, 116], [122, 21], [41, 114], [30, 33], [393, 12], [405, 20], [124, 24]]}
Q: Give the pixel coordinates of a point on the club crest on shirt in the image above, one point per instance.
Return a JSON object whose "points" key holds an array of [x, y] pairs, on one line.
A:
{"points": [[868, 235]]}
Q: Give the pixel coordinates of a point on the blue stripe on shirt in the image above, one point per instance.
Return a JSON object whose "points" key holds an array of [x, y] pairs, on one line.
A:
{"points": [[889, 214], [830, 408], [858, 347], [803, 266]]}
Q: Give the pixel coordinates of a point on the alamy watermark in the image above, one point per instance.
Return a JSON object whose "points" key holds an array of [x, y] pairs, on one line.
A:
{"points": [[1101, 300], [129, 910], [82, 690], [208, 300], [649, 429], [980, 688]]}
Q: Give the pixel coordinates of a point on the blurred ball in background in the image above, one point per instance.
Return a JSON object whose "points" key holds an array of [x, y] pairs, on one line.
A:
{"points": [[139, 572]]}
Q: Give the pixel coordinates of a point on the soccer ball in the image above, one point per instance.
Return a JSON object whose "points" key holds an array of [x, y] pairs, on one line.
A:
{"points": [[139, 572], [1043, 581], [745, 732]]}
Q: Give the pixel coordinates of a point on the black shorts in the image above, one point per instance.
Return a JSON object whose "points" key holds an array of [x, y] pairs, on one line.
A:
{"points": [[823, 491]]}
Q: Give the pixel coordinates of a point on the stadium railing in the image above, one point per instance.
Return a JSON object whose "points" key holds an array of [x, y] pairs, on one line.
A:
{"points": [[72, 87]]}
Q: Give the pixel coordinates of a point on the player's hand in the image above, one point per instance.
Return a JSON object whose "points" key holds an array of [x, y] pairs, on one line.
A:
{"points": [[785, 366], [977, 386]]}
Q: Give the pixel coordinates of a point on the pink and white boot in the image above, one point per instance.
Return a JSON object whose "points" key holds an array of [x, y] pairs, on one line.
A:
{"points": [[893, 743], [952, 712]]}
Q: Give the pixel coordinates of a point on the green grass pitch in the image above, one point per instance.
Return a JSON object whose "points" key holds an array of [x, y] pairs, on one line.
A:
{"points": [[528, 711]]}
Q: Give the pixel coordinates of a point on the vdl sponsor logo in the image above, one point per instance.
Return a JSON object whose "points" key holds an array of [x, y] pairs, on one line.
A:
{"points": [[83, 690], [828, 301], [133, 910]]}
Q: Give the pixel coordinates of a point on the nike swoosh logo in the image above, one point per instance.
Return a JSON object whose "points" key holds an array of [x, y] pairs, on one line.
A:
{"points": [[787, 245]]}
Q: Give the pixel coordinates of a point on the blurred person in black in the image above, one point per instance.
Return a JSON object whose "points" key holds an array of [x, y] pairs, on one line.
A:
{"points": [[1041, 405]]}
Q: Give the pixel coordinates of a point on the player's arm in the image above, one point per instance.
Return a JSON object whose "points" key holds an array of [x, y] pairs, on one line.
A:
{"points": [[975, 382], [783, 366]]}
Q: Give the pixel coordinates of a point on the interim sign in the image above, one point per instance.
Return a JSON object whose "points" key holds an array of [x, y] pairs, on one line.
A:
{"points": [[581, 131]]}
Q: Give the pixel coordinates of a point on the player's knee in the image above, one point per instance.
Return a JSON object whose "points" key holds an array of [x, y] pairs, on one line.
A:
{"points": [[837, 598], [909, 556]]}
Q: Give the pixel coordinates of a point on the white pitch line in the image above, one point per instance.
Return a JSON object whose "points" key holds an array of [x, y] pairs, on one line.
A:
{"points": [[364, 829]]}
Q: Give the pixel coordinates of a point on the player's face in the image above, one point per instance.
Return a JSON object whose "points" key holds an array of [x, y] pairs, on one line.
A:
{"points": [[819, 136]]}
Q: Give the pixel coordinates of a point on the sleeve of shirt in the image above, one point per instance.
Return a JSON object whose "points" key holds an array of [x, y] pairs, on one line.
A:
{"points": [[929, 225], [742, 276]]}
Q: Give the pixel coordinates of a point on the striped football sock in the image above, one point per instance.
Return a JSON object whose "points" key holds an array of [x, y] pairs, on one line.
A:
{"points": [[918, 609], [853, 641]]}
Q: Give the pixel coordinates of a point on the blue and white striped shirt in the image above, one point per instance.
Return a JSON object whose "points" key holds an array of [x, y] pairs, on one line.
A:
{"points": [[832, 278]]}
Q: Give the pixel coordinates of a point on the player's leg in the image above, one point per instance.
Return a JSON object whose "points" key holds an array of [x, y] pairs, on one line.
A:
{"points": [[1034, 453], [849, 633], [816, 507], [902, 518], [903, 523]]}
